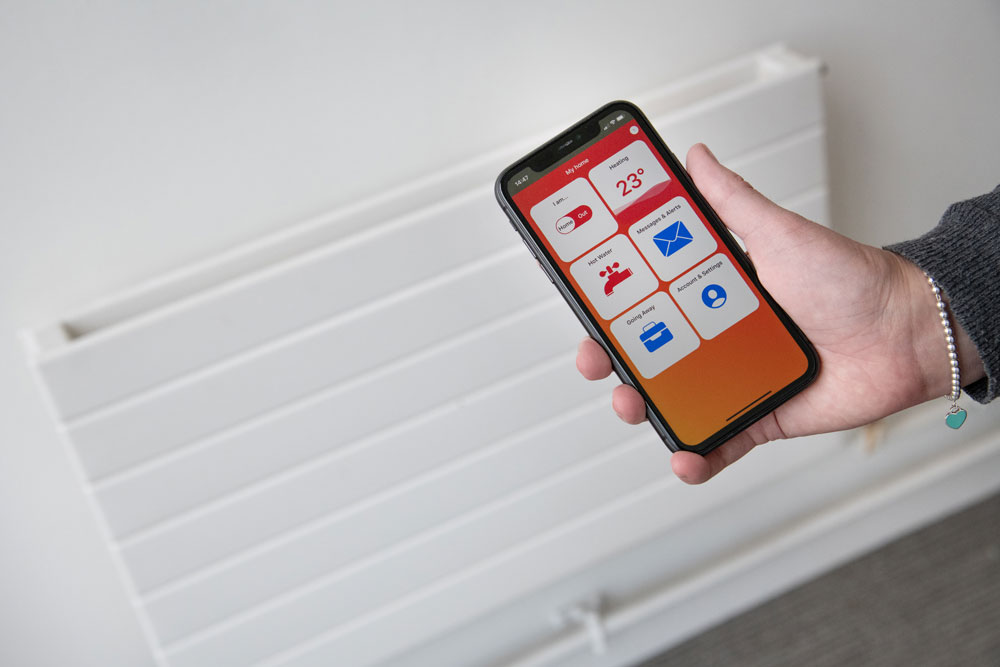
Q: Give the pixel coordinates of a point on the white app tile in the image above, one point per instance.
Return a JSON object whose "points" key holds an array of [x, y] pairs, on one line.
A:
{"points": [[672, 238], [573, 219], [631, 174], [655, 335], [613, 276], [714, 296]]}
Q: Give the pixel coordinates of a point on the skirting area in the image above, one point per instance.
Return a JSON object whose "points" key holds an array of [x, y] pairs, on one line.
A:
{"points": [[930, 598]]}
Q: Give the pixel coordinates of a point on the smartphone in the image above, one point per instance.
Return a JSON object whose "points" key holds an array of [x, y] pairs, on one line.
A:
{"points": [[656, 278]]}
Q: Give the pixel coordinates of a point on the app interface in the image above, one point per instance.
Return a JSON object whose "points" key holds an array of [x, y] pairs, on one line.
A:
{"points": [[659, 281]]}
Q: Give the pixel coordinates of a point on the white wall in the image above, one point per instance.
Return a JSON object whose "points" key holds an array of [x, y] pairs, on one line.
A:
{"points": [[136, 139]]}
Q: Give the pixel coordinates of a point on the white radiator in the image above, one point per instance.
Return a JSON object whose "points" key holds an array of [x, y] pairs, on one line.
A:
{"points": [[363, 440]]}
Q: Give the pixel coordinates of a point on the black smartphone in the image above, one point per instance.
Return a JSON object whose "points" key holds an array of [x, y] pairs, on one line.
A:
{"points": [[656, 278]]}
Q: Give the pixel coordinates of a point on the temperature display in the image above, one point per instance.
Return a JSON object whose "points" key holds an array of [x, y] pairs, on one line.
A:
{"points": [[631, 181], [631, 174]]}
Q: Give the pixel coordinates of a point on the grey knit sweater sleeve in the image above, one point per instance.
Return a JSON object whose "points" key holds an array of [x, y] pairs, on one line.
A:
{"points": [[963, 255]]}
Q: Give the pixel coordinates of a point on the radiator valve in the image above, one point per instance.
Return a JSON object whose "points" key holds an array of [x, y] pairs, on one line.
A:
{"points": [[586, 614]]}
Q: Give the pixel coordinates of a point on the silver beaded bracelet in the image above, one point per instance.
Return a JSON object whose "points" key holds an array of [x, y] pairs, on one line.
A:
{"points": [[956, 415]]}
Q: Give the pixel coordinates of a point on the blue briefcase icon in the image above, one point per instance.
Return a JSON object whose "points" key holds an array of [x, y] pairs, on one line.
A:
{"points": [[655, 335]]}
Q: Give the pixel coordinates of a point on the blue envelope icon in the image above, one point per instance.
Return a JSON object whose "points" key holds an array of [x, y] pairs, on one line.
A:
{"points": [[672, 239]]}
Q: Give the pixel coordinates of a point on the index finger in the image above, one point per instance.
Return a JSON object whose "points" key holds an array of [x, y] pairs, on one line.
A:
{"points": [[592, 361]]}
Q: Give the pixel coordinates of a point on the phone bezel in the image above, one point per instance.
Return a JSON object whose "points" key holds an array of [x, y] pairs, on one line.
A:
{"points": [[561, 148]]}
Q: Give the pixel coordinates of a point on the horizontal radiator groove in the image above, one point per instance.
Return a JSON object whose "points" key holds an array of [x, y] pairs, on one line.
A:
{"points": [[191, 448], [286, 476], [473, 266], [598, 460], [83, 335], [625, 500]]}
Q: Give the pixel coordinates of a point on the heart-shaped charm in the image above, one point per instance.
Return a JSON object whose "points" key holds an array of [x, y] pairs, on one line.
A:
{"points": [[956, 418]]}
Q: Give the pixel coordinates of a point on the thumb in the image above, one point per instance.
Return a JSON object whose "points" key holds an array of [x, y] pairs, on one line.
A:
{"points": [[744, 210]]}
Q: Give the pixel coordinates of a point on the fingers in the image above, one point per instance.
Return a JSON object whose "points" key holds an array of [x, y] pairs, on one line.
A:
{"points": [[594, 364], [743, 209], [592, 361], [628, 404], [696, 469]]}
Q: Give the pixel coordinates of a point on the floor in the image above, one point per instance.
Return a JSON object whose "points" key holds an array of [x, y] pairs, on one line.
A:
{"points": [[930, 598]]}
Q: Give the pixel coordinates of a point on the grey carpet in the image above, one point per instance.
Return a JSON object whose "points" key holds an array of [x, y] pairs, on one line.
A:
{"points": [[929, 598]]}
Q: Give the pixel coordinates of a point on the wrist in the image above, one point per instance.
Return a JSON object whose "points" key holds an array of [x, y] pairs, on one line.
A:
{"points": [[930, 347]]}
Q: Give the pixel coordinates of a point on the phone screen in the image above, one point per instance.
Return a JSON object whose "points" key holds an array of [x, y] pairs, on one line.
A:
{"points": [[616, 221]]}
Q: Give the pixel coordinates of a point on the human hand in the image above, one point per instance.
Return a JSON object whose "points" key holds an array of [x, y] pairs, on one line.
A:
{"points": [[869, 313]]}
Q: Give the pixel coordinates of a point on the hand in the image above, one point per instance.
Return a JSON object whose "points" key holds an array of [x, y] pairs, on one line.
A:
{"points": [[869, 313]]}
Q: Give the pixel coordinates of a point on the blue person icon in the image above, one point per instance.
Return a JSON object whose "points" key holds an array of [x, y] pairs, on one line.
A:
{"points": [[713, 296]]}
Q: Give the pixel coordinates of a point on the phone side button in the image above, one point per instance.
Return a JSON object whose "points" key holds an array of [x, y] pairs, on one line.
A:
{"points": [[511, 218], [544, 271]]}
